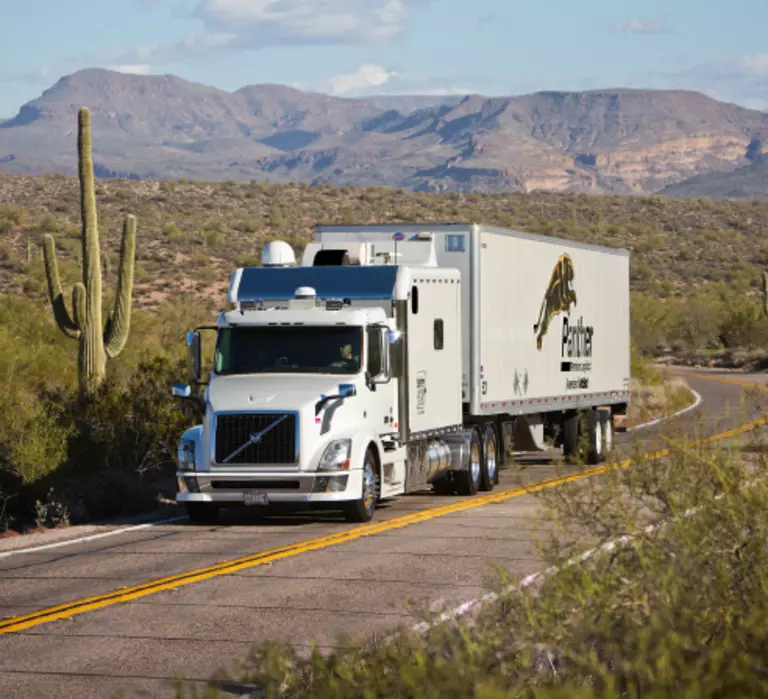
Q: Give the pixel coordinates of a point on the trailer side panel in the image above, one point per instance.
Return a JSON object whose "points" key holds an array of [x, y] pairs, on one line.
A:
{"points": [[553, 325]]}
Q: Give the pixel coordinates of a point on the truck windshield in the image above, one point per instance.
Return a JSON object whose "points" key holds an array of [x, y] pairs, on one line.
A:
{"points": [[295, 350]]}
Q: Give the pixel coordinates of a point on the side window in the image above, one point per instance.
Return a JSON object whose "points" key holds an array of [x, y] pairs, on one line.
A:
{"points": [[414, 299], [374, 352], [438, 334]]}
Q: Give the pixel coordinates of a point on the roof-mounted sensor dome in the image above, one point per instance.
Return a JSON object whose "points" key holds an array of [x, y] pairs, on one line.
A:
{"points": [[278, 254]]}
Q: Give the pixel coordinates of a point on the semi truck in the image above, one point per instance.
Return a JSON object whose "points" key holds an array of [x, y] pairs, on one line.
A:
{"points": [[398, 358]]}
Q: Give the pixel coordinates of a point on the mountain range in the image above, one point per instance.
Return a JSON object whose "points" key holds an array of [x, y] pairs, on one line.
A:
{"points": [[619, 141]]}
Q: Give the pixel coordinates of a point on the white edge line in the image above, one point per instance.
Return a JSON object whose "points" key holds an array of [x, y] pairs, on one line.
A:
{"points": [[695, 405], [147, 525], [92, 537]]}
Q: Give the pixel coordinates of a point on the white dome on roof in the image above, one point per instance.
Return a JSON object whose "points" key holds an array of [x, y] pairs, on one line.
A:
{"points": [[278, 254]]}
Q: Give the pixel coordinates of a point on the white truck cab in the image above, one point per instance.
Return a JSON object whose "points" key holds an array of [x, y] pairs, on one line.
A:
{"points": [[308, 388]]}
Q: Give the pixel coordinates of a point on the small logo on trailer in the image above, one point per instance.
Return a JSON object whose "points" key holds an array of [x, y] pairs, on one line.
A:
{"points": [[558, 298], [421, 392]]}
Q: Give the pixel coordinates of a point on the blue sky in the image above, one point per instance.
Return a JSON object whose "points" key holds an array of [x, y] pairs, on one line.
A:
{"points": [[358, 47]]}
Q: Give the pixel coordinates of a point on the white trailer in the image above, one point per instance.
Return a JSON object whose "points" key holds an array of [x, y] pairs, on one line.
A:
{"points": [[471, 341]]}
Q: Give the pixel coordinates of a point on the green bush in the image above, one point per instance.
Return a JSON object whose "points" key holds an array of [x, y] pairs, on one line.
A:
{"points": [[99, 456]]}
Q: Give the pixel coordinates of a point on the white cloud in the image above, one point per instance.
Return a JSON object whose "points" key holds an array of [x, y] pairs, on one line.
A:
{"points": [[640, 26], [755, 65], [230, 26], [262, 22], [365, 77], [371, 79], [134, 69], [742, 80]]}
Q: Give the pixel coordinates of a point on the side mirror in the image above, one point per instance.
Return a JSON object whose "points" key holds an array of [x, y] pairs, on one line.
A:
{"points": [[193, 355], [181, 390]]}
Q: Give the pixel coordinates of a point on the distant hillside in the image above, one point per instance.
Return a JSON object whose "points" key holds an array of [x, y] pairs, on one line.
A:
{"points": [[749, 182], [162, 127]]}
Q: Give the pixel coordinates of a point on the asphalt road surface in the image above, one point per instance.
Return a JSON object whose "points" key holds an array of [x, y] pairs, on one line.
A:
{"points": [[122, 629]]}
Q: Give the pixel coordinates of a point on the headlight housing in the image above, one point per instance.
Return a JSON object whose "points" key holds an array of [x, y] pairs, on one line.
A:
{"points": [[185, 455], [336, 456]]}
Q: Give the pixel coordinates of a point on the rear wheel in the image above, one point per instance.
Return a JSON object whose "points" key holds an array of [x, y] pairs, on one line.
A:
{"points": [[468, 482], [571, 437], [489, 474], [362, 510], [444, 485], [606, 422], [202, 512]]}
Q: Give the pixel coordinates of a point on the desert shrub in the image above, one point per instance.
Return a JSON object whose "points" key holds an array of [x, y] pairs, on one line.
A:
{"points": [[676, 608], [101, 455]]}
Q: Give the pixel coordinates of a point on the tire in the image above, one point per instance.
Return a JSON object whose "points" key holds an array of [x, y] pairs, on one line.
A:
{"points": [[571, 437], [594, 437], [468, 482], [489, 472], [606, 422], [444, 485], [202, 512], [362, 510]]}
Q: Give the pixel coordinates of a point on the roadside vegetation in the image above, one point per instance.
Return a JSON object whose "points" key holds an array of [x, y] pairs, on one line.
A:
{"points": [[655, 395], [671, 603], [696, 264]]}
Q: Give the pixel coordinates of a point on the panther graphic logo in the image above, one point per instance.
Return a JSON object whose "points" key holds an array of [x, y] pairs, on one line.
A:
{"points": [[558, 298]]}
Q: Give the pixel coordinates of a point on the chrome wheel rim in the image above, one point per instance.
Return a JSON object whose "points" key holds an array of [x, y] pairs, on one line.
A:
{"points": [[490, 453], [475, 462], [369, 487], [608, 435], [598, 438]]}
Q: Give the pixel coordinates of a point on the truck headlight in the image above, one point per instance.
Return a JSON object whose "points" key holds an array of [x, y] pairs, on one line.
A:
{"points": [[185, 455], [336, 456]]}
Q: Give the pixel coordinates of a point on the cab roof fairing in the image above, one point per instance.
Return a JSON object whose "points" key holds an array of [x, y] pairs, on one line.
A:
{"points": [[368, 282]]}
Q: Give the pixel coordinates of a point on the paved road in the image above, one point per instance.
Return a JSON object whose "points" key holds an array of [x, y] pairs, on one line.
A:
{"points": [[295, 585]]}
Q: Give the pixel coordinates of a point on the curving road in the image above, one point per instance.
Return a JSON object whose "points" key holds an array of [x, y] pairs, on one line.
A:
{"points": [[246, 580]]}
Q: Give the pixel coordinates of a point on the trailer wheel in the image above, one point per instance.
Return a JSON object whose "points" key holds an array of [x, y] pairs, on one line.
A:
{"points": [[606, 423], [489, 473], [362, 510], [571, 437], [594, 437], [202, 512], [468, 482]]}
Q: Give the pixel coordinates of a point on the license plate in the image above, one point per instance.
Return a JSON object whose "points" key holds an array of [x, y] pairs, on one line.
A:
{"points": [[256, 498]]}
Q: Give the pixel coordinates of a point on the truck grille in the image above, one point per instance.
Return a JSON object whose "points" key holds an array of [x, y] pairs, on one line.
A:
{"points": [[276, 446]]}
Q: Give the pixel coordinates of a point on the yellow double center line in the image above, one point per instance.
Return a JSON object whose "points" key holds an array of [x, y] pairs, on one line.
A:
{"points": [[126, 594]]}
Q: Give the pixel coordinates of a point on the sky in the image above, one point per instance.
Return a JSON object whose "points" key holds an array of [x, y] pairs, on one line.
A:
{"points": [[359, 47]]}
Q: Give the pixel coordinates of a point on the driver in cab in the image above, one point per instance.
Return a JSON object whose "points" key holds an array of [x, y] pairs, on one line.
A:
{"points": [[348, 361]]}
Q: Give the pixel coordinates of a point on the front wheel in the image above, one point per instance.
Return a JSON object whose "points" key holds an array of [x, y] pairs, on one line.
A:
{"points": [[362, 510]]}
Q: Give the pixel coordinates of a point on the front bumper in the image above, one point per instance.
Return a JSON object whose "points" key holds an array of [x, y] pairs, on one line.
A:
{"points": [[279, 487]]}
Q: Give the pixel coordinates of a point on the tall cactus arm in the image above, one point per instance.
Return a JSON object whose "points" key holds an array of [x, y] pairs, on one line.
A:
{"points": [[118, 325], [71, 328], [765, 292], [78, 304]]}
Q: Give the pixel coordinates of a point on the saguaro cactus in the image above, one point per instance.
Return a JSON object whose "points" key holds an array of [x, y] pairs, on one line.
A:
{"points": [[97, 342]]}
